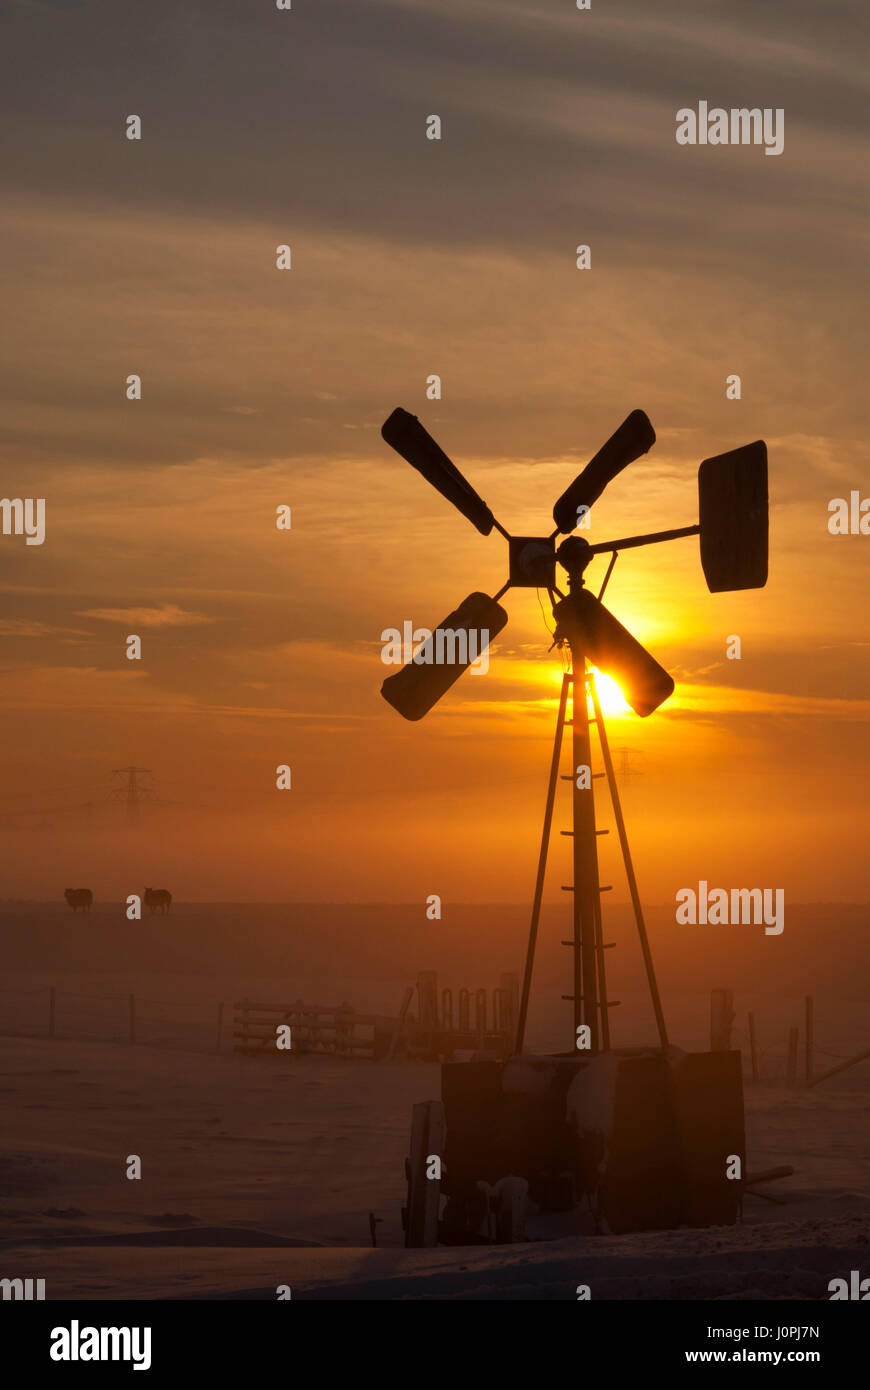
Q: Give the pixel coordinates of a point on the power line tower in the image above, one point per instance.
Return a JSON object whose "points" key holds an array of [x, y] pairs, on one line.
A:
{"points": [[132, 792], [626, 767]]}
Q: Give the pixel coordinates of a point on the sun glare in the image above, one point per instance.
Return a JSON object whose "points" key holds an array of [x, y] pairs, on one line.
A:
{"points": [[610, 695], [613, 702]]}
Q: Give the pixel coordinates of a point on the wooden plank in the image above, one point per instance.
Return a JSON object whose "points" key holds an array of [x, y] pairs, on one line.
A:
{"points": [[841, 1066], [327, 1044], [768, 1175], [267, 1030], [808, 1039], [792, 1061], [753, 1048], [424, 1194], [721, 1019], [436, 1136], [361, 1051], [296, 1008]]}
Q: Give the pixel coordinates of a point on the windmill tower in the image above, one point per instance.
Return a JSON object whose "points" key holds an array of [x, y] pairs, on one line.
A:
{"points": [[733, 531]]}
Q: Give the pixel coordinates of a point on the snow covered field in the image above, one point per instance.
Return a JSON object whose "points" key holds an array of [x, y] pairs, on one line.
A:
{"points": [[260, 1173]]}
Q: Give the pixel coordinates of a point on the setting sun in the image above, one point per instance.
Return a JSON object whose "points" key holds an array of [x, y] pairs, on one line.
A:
{"points": [[613, 702]]}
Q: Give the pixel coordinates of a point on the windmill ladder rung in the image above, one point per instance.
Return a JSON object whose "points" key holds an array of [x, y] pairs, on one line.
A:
{"points": [[605, 947], [611, 1003]]}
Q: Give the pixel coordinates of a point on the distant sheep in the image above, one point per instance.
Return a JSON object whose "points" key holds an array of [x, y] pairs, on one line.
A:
{"points": [[157, 898], [79, 898]]}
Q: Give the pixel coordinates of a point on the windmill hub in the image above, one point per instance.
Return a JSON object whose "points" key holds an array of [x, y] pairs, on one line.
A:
{"points": [[532, 561], [574, 555]]}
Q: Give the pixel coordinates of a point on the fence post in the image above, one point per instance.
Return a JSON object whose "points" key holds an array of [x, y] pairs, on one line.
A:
{"points": [[791, 1070], [721, 1018], [480, 1015], [464, 1011], [753, 1048], [427, 989], [397, 1027], [447, 1008], [52, 1001], [220, 1023], [344, 1026], [511, 984], [808, 1039], [132, 1018]]}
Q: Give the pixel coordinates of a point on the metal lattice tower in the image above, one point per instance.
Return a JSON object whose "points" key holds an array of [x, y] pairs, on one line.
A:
{"points": [[132, 793]]}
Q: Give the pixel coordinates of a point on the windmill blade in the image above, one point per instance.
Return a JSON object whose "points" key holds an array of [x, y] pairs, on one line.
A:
{"points": [[440, 660], [733, 514], [590, 628], [634, 437], [404, 433]]}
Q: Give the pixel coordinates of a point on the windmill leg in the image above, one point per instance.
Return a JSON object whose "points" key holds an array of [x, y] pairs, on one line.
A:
{"points": [[587, 903], [599, 946], [542, 865], [602, 982], [629, 869]]}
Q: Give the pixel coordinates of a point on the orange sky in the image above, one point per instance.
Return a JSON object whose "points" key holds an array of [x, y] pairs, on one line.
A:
{"points": [[261, 388]]}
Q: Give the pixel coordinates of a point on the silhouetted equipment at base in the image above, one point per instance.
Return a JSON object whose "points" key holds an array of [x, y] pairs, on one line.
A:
{"points": [[648, 1136], [654, 1160]]}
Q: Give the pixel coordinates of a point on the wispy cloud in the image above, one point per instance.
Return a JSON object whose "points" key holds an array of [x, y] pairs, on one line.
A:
{"points": [[170, 615], [26, 627]]}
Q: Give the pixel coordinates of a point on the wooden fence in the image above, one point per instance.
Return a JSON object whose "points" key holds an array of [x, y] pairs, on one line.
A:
{"points": [[799, 1062], [334, 1028], [480, 1026]]}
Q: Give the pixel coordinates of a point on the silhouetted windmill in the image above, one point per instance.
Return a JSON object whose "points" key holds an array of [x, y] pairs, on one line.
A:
{"points": [[733, 530]]}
